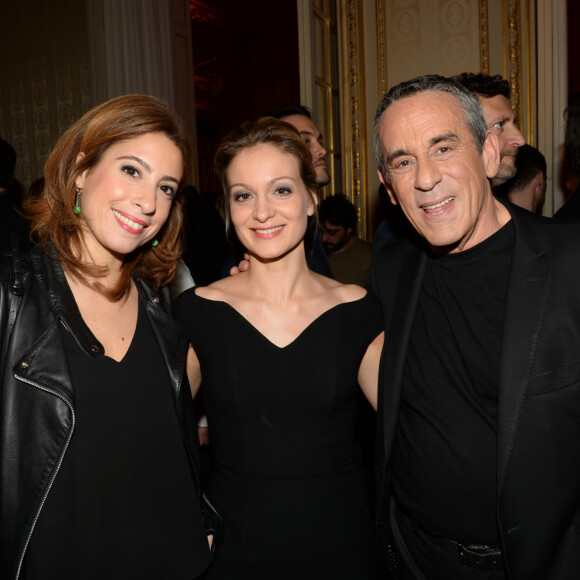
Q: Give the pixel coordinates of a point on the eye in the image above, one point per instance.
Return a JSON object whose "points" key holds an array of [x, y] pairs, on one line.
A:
{"points": [[168, 190], [444, 149], [499, 125], [241, 197], [283, 191], [130, 170]]}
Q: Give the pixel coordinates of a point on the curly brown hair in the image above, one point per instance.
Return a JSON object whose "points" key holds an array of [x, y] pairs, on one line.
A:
{"points": [[52, 218]]}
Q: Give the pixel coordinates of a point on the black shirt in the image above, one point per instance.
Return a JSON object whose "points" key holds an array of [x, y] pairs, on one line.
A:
{"points": [[444, 460], [123, 504]]}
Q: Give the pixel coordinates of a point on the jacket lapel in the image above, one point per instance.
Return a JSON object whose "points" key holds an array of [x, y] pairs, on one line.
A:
{"points": [[398, 323], [525, 311], [397, 335]]}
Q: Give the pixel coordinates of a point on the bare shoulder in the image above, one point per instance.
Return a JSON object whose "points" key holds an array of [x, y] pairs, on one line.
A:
{"points": [[340, 292], [221, 289], [351, 292]]}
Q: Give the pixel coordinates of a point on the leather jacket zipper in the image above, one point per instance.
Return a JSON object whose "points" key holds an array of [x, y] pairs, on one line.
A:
{"points": [[68, 402]]}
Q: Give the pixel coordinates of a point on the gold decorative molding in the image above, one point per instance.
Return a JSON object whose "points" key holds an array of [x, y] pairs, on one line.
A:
{"points": [[529, 77], [382, 47], [514, 71], [354, 68], [484, 40]]}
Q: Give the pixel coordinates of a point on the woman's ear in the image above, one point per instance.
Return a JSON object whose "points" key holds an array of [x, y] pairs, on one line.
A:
{"points": [[314, 201], [80, 180]]}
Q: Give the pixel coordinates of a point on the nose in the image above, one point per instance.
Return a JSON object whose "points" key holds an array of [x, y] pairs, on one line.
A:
{"points": [[263, 209], [427, 174], [325, 237], [146, 199], [516, 138], [318, 151]]}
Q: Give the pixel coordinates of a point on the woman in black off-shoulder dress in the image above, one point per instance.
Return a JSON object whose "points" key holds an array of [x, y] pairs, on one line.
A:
{"points": [[280, 351]]}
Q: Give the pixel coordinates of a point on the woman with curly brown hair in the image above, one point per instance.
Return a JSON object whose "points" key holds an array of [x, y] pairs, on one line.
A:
{"points": [[97, 440]]}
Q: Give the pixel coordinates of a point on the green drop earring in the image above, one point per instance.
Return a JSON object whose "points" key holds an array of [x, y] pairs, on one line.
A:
{"points": [[154, 242], [77, 207]]}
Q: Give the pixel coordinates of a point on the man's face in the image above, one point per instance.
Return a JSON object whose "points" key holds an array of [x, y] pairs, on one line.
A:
{"points": [[313, 138], [435, 172], [334, 237], [499, 118]]}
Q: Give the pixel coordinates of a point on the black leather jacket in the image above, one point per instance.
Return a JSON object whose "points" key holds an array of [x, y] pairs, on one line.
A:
{"points": [[37, 398]]}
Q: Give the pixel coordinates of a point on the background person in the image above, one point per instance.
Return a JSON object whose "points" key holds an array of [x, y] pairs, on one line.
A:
{"points": [[98, 445], [280, 350], [348, 255], [527, 188], [571, 209], [493, 94], [11, 193]]}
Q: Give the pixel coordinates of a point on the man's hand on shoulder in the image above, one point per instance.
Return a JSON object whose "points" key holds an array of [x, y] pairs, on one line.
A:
{"points": [[243, 266]]}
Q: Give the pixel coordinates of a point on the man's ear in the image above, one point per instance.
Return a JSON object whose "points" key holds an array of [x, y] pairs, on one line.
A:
{"points": [[491, 155], [80, 180], [388, 187]]}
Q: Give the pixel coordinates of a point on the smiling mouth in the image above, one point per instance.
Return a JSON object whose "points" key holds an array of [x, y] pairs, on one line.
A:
{"points": [[128, 222], [268, 231], [437, 208]]}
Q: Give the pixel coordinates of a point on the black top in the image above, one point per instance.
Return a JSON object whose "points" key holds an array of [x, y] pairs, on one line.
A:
{"points": [[123, 504], [444, 460], [281, 420], [304, 392]]}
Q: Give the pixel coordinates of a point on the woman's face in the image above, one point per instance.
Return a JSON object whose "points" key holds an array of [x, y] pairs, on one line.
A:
{"points": [[269, 203], [127, 196]]}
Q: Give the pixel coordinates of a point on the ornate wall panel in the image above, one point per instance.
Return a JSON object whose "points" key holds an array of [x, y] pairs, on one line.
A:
{"points": [[436, 36], [44, 77]]}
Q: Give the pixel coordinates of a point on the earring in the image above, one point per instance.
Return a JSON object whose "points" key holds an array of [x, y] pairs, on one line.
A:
{"points": [[77, 207], [310, 212], [154, 242]]}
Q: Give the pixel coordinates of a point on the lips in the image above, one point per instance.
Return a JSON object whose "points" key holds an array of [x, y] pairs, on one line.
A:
{"points": [[509, 152], [437, 208], [134, 225], [267, 233]]}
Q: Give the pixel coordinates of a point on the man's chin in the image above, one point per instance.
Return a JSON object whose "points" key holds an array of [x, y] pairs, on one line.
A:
{"points": [[504, 173], [322, 178]]}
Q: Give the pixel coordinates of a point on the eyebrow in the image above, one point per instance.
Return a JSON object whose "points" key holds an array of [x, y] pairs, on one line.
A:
{"points": [[432, 142], [146, 166], [271, 182], [311, 134], [496, 120]]}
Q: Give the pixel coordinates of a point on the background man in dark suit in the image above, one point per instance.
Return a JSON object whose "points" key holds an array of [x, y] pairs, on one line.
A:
{"points": [[478, 472]]}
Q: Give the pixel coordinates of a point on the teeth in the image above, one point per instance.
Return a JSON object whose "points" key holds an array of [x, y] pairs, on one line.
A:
{"points": [[437, 205], [270, 230], [128, 222]]}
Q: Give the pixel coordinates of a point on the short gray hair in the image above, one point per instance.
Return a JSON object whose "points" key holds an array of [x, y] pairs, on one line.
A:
{"points": [[468, 102]]}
